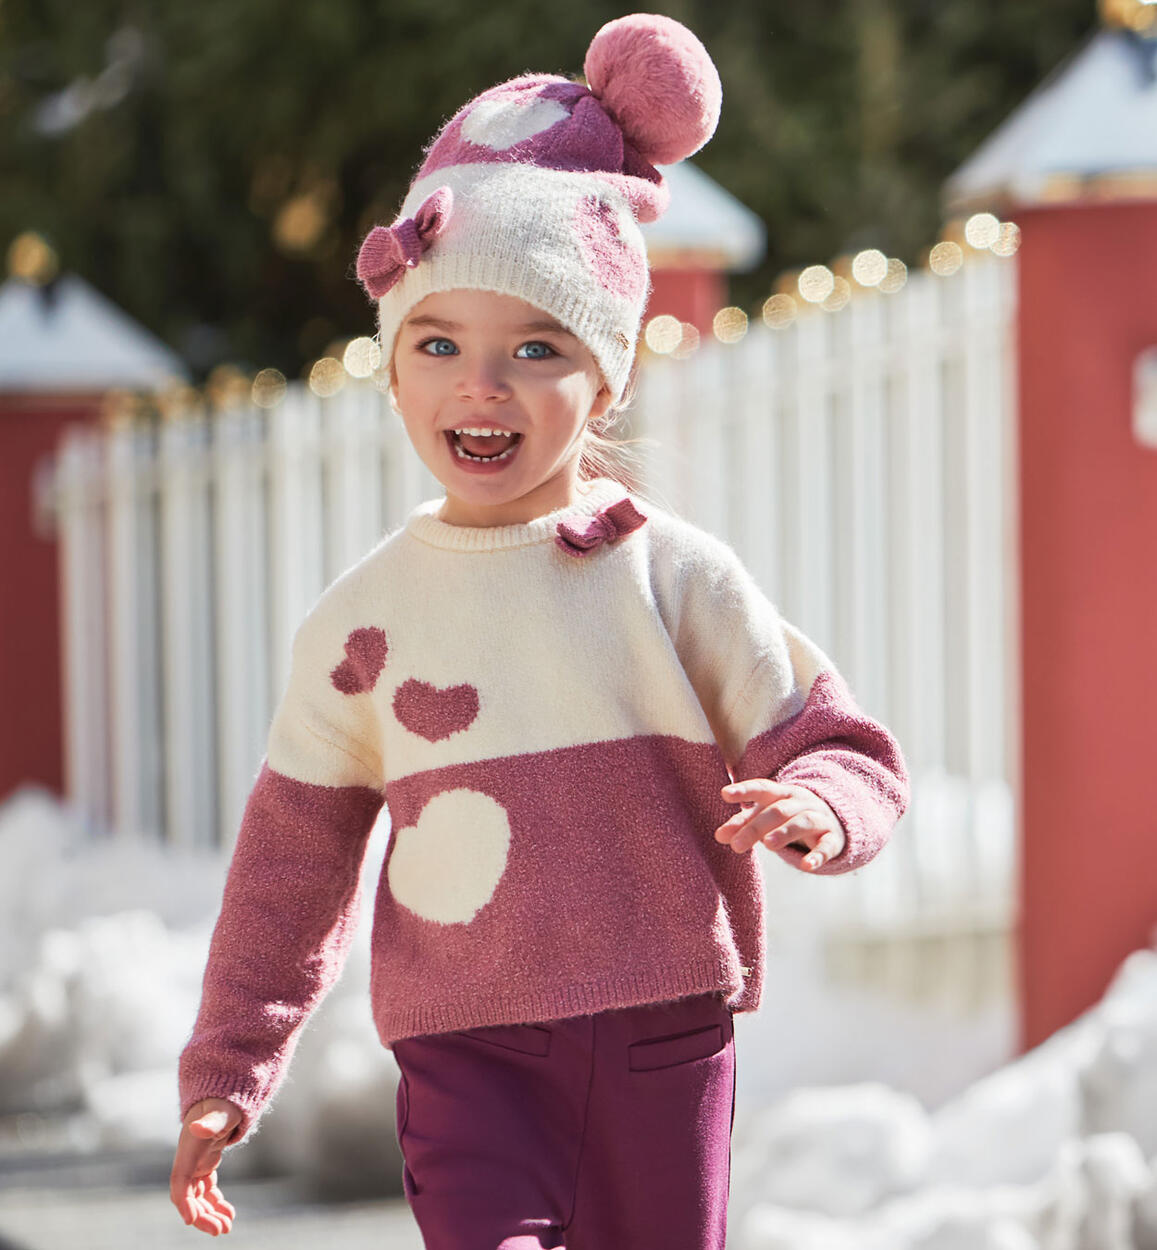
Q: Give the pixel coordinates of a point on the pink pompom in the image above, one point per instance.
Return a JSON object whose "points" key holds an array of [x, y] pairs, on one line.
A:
{"points": [[658, 82]]}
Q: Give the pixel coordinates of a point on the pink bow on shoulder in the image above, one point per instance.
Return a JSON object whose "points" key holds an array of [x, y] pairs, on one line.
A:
{"points": [[388, 251], [607, 525]]}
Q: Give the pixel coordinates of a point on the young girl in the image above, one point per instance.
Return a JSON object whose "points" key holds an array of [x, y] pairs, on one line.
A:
{"points": [[562, 694]]}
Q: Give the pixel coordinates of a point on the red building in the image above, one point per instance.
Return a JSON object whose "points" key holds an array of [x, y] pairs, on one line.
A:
{"points": [[62, 347], [704, 235], [1076, 167]]}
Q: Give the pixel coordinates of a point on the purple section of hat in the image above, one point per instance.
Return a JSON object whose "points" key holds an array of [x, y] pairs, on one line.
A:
{"points": [[587, 140]]}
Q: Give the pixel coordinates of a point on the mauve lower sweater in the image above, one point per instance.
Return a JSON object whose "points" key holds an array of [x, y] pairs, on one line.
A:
{"points": [[549, 732]]}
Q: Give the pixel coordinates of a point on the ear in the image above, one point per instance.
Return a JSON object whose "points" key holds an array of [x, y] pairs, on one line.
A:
{"points": [[602, 403]]}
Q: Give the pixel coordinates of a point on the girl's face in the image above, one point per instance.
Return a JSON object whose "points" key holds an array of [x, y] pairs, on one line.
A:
{"points": [[495, 396]]}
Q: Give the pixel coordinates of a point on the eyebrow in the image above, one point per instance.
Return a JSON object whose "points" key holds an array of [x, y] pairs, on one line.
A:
{"points": [[527, 327]]}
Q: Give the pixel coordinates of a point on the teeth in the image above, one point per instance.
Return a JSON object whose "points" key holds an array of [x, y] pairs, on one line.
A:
{"points": [[481, 433], [465, 455]]}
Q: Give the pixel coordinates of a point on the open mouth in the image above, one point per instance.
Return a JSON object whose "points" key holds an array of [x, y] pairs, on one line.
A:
{"points": [[482, 443]]}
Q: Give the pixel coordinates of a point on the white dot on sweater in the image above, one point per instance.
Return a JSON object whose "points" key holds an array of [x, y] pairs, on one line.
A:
{"points": [[500, 124], [446, 867]]}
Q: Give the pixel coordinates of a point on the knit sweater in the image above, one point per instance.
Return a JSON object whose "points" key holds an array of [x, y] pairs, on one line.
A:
{"points": [[548, 712]]}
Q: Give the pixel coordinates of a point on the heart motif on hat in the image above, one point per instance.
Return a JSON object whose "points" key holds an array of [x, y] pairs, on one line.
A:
{"points": [[365, 657], [434, 713]]}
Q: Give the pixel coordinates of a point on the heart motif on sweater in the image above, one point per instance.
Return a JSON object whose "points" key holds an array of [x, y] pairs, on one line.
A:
{"points": [[432, 713], [446, 867], [365, 657]]}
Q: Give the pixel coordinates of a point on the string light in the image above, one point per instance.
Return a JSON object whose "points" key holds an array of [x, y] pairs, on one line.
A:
{"points": [[32, 259], [327, 377], [945, 259], [688, 342], [896, 277], [663, 334], [839, 296], [268, 389], [816, 283], [981, 230], [870, 267], [779, 311], [361, 357], [729, 325], [1007, 240], [227, 385]]}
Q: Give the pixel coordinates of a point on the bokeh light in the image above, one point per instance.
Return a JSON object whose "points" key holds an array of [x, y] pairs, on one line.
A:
{"points": [[816, 283], [981, 230], [301, 221], [896, 278], [688, 341], [226, 385], [729, 325], [32, 259], [327, 377], [945, 259], [841, 294], [779, 311], [268, 389], [870, 267], [1007, 240], [663, 334], [361, 357]]}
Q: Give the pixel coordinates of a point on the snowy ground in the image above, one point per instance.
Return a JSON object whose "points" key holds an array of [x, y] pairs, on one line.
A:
{"points": [[863, 1123]]}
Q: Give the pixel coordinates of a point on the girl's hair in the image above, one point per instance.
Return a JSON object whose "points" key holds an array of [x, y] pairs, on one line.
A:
{"points": [[606, 454]]}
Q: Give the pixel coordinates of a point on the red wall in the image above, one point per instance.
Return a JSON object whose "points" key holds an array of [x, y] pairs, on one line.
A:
{"points": [[1088, 550], [31, 741], [693, 295]]}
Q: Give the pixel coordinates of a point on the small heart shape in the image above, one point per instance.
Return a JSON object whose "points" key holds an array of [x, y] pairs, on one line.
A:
{"points": [[435, 714], [365, 657]]}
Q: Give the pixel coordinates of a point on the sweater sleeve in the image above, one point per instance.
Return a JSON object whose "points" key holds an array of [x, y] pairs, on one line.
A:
{"points": [[291, 896], [779, 708]]}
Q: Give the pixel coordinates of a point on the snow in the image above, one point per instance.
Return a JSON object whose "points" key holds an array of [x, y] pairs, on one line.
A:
{"points": [[861, 1123]]}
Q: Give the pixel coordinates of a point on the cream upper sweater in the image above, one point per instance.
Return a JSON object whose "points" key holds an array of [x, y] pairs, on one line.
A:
{"points": [[548, 712]]}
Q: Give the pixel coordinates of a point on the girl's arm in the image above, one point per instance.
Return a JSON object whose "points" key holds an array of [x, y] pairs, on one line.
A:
{"points": [[778, 707], [801, 726], [291, 898]]}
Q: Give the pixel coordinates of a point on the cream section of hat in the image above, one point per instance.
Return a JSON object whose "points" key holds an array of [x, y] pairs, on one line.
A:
{"points": [[513, 229]]}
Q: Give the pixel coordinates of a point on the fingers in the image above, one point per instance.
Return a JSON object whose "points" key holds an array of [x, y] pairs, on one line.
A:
{"points": [[193, 1181], [775, 825], [828, 847], [207, 1208], [212, 1124]]}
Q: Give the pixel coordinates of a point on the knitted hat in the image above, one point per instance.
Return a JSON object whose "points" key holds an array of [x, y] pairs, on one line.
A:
{"points": [[535, 189]]}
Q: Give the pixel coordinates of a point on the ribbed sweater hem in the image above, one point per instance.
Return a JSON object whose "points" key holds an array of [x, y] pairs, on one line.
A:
{"points": [[529, 1005]]}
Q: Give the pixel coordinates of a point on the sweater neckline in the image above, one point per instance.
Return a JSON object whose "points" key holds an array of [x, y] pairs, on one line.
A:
{"points": [[425, 525]]}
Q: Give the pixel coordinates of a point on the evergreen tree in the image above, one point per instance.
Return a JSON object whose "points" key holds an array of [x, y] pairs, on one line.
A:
{"points": [[213, 166]]}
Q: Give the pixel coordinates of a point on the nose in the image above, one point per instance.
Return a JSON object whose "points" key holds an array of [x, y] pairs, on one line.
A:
{"points": [[483, 378]]}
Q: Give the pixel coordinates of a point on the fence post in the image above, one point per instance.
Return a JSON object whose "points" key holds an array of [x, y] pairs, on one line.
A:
{"points": [[80, 474]]}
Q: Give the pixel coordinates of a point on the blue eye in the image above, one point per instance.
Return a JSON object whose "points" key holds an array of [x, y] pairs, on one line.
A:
{"points": [[438, 347], [535, 351]]}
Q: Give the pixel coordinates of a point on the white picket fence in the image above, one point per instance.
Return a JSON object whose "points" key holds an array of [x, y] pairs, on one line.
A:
{"points": [[860, 462]]}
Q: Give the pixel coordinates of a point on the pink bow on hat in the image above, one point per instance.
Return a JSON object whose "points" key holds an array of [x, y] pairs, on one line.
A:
{"points": [[608, 525], [388, 251]]}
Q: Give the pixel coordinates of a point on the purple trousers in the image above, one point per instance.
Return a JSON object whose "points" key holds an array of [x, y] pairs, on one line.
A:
{"points": [[602, 1132]]}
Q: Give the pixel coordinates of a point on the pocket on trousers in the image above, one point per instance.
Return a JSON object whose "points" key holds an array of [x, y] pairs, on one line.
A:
{"points": [[527, 1039], [667, 1052]]}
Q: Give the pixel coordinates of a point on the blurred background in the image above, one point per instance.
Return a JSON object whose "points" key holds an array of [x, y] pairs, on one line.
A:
{"points": [[901, 352]]}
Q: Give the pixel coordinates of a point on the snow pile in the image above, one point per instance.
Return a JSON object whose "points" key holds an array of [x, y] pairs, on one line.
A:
{"points": [[1056, 1151], [103, 947]]}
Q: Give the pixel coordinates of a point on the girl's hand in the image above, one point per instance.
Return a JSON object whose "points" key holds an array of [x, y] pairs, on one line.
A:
{"points": [[779, 813], [193, 1188]]}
